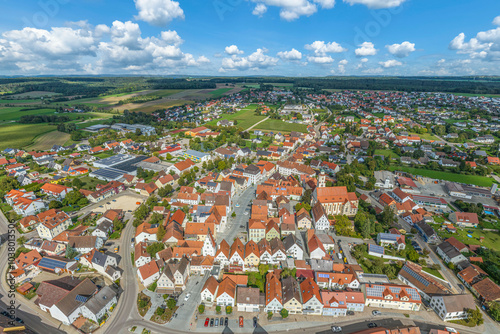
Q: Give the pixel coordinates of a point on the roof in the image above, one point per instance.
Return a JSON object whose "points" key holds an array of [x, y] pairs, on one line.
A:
{"points": [[273, 288], [101, 299], [227, 286], [487, 289], [71, 301], [291, 289], [414, 274], [397, 292], [248, 295], [309, 289], [211, 284], [458, 303], [148, 270]]}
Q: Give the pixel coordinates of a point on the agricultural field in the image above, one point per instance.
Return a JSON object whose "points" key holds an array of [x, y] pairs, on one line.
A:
{"points": [[49, 139], [150, 107], [32, 95], [10, 114], [277, 125], [22, 135], [219, 92], [389, 153], [481, 181], [245, 118]]}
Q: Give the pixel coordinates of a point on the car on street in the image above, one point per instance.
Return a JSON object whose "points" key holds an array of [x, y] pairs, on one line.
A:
{"points": [[240, 321], [207, 320], [375, 312], [187, 297], [226, 321], [212, 322], [221, 322], [336, 329], [350, 312], [372, 325], [451, 329], [246, 213], [216, 324], [254, 322]]}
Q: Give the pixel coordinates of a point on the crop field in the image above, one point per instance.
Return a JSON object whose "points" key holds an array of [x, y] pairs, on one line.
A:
{"points": [[49, 139], [245, 118], [150, 107], [33, 95], [220, 92], [276, 125], [389, 153], [14, 113], [480, 181], [22, 135]]}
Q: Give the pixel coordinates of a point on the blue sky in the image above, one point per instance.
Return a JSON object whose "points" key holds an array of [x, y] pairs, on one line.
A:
{"points": [[250, 37]]}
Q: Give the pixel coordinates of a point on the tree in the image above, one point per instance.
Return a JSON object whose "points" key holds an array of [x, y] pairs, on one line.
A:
{"points": [[233, 214], [72, 197], [155, 248], [77, 183], [343, 225], [495, 310], [412, 255], [55, 204], [269, 315], [475, 317], [218, 309], [201, 308], [229, 309], [160, 233], [159, 311], [21, 240], [171, 303], [284, 313]]}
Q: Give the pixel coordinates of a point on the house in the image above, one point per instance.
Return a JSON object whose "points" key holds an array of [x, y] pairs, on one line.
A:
{"points": [[392, 296], [209, 291], [99, 304], [320, 218], [293, 247], [312, 303], [471, 275], [226, 293], [316, 247], [174, 277], [25, 266], [464, 219], [248, 299], [256, 230], [99, 261], [449, 253], [292, 297], [428, 286], [146, 232], [337, 280], [486, 291], [452, 307], [337, 303], [336, 200], [395, 239], [304, 220], [148, 273], [103, 229], [56, 191], [141, 256], [426, 231], [252, 254], [52, 223], [24, 203], [274, 294], [84, 244]]}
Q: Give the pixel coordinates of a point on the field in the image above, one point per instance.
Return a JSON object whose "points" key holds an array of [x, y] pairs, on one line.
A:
{"points": [[389, 153], [276, 125], [150, 107], [245, 118], [220, 92], [33, 95], [14, 113], [426, 136], [49, 139], [21, 135], [481, 181]]}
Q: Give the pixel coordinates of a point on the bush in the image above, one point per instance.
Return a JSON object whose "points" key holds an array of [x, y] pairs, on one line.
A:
{"points": [[159, 311], [229, 309], [284, 313], [201, 309], [171, 303], [218, 309]]}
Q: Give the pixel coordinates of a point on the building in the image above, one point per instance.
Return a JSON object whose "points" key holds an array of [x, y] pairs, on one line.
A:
{"points": [[292, 297], [248, 299], [174, 277], [427, 232], [209, 291], [428, 286], [486, 291], [274, 293], [464, 219], [226, 293], [51, 223], [336, 200], [452, 307], [311, 297], [337, 303], [320, 217], [392, 296], [148, 273], [196, 156], [56, 191], [394, 239], [449, 253]]}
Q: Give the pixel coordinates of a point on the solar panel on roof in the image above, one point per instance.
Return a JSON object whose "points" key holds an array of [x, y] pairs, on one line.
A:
{"points": [[81, 299], [51, 263]]}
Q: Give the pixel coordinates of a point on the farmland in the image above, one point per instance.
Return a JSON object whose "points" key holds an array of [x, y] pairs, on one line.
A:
{"points": [[389, 153], [245, 118], [22, 135], [278, 125], [14, 113], [49, 139], [220, 92], [480, 181]]}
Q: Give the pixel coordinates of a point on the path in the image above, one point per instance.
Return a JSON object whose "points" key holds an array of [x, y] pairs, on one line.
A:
{"points": [[253, 126]]}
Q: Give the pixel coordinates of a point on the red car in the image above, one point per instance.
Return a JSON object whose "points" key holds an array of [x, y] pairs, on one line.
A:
{"points": [[241, 321], [206, 322]]}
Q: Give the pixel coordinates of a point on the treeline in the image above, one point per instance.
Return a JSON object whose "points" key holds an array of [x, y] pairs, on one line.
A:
{"points": [[66, 88], [135, 118], [181, 84], [34, 119]]}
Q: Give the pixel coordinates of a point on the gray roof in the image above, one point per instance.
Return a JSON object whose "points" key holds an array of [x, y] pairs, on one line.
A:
{"points": [[101, 299], [291, 289], [291, 240], [458, 303]]}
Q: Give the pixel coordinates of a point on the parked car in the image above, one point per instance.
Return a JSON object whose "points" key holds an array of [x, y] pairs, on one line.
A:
{"points": [[254, 322], [187, 297], [221, 321], [336, 329], [212, 322], [372, 325], [216, 324], [207, 320], [376, 312], [350, 312], [240, 321], [226, 322], [451, 329]]}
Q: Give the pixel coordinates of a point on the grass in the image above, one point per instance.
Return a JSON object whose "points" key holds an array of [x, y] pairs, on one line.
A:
{"points": [[278, 125], [104, 155], [389, 153], [426, 136], [433, 272], [245, 117], [90, 183], [163, 105], [481, 181], [14, 113], [220, 92], [491, 239], [22, 135], [47, 140]]}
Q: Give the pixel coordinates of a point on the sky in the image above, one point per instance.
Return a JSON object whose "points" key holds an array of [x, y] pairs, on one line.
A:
{"points": [[250, 37]]}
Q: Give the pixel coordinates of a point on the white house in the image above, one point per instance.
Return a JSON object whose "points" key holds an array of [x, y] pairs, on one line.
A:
{"points": [[320, 217], [148, 273], [452, 307], [226, 293]]}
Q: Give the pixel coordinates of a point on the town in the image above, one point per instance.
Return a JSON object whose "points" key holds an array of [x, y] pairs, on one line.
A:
{"points": [[265, 208]]}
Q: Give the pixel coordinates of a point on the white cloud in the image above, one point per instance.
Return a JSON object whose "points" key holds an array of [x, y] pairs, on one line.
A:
{"points": [[376, 3], [366, 49], [171, 37], [290, 55], [233, 50], [343, 62], [158, 12], [260, 9], [496, 21], [401, 50], [320, 59], [126, 34], [292, 9], [321, 48], [376, 70], [390, 63], [341, 66], [255, 61]]}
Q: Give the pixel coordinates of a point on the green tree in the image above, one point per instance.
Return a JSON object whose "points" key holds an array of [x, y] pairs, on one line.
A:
{"points": [[218, 309], [171, 303], [284, 313], [77, 183], [155, 248], [159, 311], [55, 204], [269, 315], [201, 308], [343, 225], [475, 317], [160, 233], [229, 309], [21, 240]]}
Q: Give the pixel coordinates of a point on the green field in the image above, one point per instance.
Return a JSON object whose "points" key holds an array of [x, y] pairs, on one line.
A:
{"points": [[481, 181], [491, 239], [220, 91], [245, 117], [21, 135], [389, 153], [278, 125], [49, 139], [15, 113]]}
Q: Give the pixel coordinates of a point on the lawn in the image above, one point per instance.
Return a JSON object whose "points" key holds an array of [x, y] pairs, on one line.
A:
{"points": [[220, 92], [21, 135], [104, 155], [433, 272], [245, 117], [49, 139], [276, 125], [481, 181], [15, 113], [385, 153], [491, 239], [89, 183]]}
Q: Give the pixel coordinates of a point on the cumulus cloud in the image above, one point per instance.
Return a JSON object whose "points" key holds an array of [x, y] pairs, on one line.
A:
{"points": [[322, 60], [292, 9], [118, 48], [366, 49], [321, 48], [496, 21], [259, 10], [158, 12], [341, 66], [401, 50], [376, 3], [390, 63], [257, 60], [290, 55], [233, 50]]}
